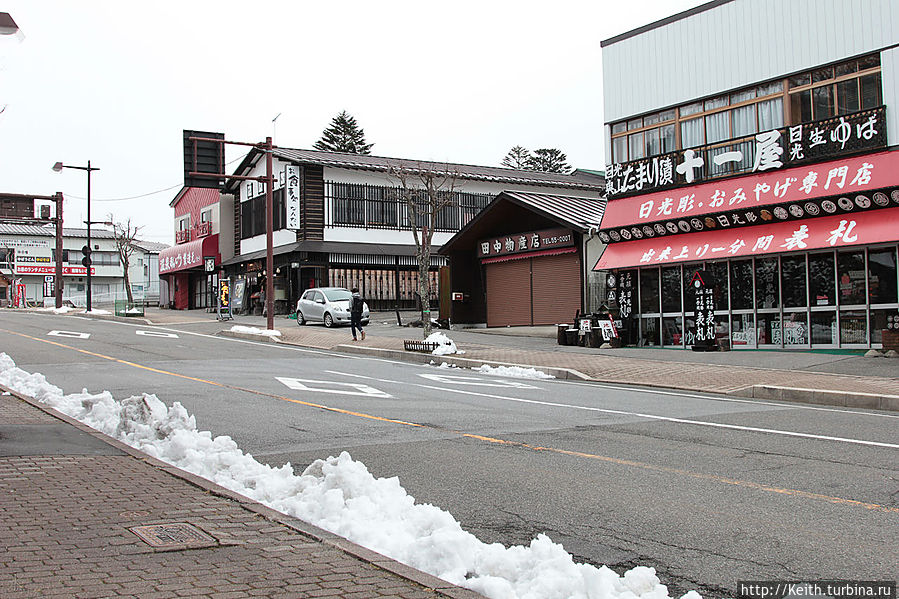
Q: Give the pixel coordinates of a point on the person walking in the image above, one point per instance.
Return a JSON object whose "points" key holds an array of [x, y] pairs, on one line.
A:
{"points": [[356, 305]]}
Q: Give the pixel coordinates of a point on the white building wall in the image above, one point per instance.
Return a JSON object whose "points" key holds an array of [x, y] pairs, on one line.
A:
{"points": [[709, 52]]}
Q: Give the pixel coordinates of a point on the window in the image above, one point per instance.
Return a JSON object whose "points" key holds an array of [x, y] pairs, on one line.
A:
{"points": [[822, 280], [882, 276], [766, 291], [649, 291], [834, 90], [671, 289], [741, 284], [851, 277], [206, 216], [793, 281]]}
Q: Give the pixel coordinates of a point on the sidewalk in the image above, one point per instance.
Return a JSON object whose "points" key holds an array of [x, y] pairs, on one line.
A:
{"points": [[845, 379], [86, 516]]}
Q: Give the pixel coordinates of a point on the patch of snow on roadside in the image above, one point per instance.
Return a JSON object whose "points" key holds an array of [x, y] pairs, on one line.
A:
{"points": [[445, 345], [254, 331], [341, 495], [513, 371]]}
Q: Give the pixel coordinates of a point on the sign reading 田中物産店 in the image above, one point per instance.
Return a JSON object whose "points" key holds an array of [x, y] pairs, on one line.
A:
{"points": [[519, 243]]}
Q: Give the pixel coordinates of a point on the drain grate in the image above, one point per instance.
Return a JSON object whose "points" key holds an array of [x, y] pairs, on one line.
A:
{"points": [[174, 536]]}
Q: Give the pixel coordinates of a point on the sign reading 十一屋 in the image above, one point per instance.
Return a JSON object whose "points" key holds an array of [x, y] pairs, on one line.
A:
{"points": [[775, 149]]}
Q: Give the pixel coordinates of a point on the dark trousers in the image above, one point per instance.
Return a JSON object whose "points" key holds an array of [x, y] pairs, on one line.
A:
{"points": [[356, 323]]}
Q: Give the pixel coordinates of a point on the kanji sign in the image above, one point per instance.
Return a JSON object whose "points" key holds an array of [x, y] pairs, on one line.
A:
{"points": [[292, 196], [768, 150], [703, 291], [518, 243]]}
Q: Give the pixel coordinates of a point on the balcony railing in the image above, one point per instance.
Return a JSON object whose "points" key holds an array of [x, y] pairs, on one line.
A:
{"points": [[202, 230], [182, 236], [785, 147]]}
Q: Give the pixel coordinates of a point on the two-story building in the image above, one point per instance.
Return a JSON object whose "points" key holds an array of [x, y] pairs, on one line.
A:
{"points": [[28, 264], [348, 224], [752, 156]]}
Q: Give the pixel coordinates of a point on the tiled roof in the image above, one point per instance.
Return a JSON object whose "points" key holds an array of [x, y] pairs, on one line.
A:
{"points": [[463, 171]]}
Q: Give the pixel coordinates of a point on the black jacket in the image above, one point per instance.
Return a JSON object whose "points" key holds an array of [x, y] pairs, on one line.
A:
{"points": [[356, 305]]}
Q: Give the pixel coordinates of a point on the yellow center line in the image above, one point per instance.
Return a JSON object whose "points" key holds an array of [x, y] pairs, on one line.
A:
{"points": [[494, 440]]}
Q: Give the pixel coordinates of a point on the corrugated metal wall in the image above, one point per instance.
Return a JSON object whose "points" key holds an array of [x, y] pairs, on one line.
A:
{"points": [[740, 43]]}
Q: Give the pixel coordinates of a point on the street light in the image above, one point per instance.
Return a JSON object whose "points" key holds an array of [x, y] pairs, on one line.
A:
{"points": [[87, 254]]}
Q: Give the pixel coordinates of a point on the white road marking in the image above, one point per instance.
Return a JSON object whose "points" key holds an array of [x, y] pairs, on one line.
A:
{"points": [[157, 334], [342, 388], [754, 429], [472, 380], [70, 334]]}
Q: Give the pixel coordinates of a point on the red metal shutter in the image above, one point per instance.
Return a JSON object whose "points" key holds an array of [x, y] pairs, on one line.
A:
{"points": [[557, 288], [509, 293]]}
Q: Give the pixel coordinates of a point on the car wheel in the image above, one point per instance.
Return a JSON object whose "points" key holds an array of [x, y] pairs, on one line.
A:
{"points": [[301, 320], [328, 320]]}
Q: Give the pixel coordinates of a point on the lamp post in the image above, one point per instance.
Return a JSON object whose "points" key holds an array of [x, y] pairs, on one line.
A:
{"points": [[87, 255]]}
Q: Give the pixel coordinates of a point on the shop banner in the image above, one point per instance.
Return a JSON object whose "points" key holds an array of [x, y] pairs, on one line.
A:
{"points": [[862, 228], [24, 269], [224, 299], [292, 196], [847, 176], [519, 243]]}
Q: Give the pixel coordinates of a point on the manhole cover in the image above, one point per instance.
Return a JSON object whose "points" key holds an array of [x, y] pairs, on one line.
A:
{"points": [[174, 535]]}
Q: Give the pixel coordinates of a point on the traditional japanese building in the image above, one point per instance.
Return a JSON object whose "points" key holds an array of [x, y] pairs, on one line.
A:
{"points": [[760, 153]]}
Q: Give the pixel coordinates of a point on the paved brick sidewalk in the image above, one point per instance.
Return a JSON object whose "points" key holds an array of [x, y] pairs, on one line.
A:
{"points": [[68, 499]]}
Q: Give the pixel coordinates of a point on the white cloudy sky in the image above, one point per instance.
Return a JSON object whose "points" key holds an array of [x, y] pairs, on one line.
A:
{"points": [[464, 81]]}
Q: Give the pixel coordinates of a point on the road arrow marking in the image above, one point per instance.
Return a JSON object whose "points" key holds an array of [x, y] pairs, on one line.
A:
{"points": [[70, 334], [341, 388], [157, 334]]}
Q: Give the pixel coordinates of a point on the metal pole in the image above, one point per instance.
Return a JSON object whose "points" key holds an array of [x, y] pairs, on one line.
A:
{"points": [[269, 257], [90, 249], [58, 198]]}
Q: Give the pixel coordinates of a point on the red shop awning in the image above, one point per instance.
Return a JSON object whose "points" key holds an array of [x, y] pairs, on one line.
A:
{"points": [[862, 228], [189, 255]]}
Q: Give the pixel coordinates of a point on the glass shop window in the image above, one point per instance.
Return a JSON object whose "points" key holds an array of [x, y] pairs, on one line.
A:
{"points": [[741, 284], [851, 277], [822, 280], [882, 276], [793, 281], [766, 291], [671, 290], [649, 291]]}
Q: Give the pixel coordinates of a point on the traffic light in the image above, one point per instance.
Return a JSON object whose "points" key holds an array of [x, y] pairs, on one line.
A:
{"points": [[86, 250]]}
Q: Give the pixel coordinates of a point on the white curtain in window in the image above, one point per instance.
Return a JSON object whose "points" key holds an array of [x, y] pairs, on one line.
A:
{"points": [[691, 133], [744, 121], [717, 127], [771, 114]]}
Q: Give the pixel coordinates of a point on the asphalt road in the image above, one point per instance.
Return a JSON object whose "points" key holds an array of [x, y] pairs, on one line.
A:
{"points": [[708, 490]]}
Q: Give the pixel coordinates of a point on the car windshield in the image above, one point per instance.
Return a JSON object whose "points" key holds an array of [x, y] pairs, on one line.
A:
{"points": [[335, 295]]}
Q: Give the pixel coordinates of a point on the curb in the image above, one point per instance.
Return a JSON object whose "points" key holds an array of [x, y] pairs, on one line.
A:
{"points": [[423, 358], [869, 401], [320, 535]]}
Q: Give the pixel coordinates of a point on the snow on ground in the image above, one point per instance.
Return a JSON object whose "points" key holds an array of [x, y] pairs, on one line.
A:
{"points": [[99, 312], [339, 494], [445, 345], [62, 310], [254, 331], [513, 371]]}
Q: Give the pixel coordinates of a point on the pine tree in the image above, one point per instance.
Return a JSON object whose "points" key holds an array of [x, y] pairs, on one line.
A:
{"points": [[343, 135], [518, 157], [550, 160]]}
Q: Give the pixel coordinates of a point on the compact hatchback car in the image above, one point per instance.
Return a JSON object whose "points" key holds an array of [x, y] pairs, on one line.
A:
{"points": [[328, 305]]}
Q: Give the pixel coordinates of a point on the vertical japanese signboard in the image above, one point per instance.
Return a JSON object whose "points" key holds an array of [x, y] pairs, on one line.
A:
{"points": [[292, 196], [224, 299], [704, 304]]}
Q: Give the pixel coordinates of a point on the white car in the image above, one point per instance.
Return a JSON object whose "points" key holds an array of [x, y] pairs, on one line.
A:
{"points": [[328, 305]]}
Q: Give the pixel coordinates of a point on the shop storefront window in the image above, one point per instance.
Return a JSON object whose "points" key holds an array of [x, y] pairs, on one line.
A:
{"points": [[822, 279], [824, 328], [795, 329], [882, 276], [793, 281], [851, 277], [768, 331], [887, 319], [742, 328], [853, 327], [649, 291], [741, 284], [671, 289], [650, 331], [766, 291], [719, 274], [672, 331]]}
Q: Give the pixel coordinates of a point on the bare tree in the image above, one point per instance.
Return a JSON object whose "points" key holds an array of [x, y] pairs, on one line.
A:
{"points": [[125, 236], [427, 191]]}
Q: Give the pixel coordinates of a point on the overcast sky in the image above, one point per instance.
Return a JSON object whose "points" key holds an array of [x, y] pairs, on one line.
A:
{"points": [[464, 81]]}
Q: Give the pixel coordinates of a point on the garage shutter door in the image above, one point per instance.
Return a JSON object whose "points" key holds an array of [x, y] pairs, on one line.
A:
{"points": [[509, 293], [556, 288]]}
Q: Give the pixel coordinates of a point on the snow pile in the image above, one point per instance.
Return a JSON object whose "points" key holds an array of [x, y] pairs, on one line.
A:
{"points": [[442, 364], [340, 495], [513, 371], [254, 331], [62, 310], [445, 345], [99, 312]]}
